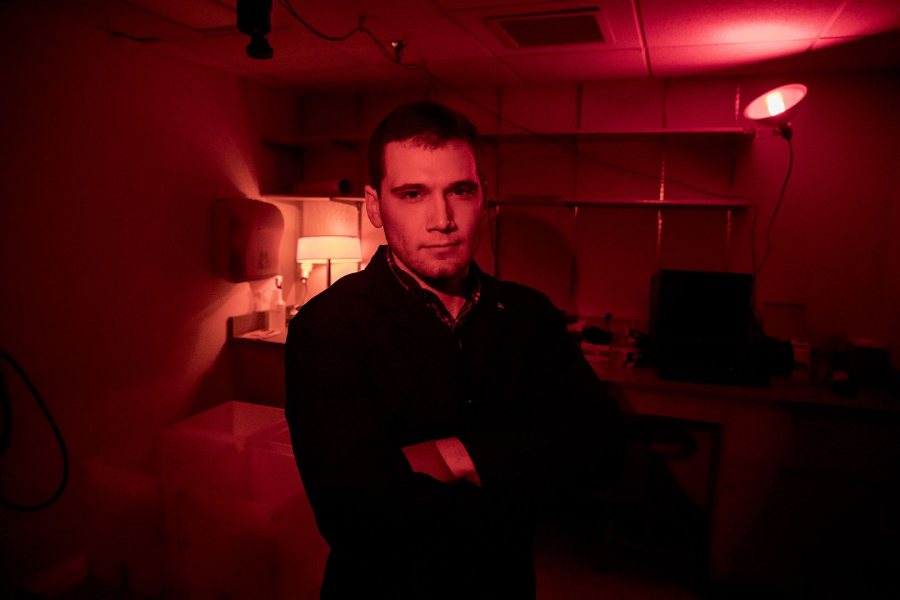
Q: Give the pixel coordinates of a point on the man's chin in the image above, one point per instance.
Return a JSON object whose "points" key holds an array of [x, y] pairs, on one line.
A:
{"points": [[435, 271], [436, 274]]}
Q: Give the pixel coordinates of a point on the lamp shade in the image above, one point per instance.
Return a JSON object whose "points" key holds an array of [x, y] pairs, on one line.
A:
{"points": [[319, 249], [776, 107]]}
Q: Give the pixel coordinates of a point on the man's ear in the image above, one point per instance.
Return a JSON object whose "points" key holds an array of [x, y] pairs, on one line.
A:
{"points": [[373, 206]]}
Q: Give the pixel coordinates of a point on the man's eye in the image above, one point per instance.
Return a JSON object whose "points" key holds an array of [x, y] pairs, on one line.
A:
{"points": [[410, 194], [463, 192]]}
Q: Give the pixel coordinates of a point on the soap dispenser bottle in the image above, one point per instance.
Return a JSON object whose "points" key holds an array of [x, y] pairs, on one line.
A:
{"points": [[277, 316]]}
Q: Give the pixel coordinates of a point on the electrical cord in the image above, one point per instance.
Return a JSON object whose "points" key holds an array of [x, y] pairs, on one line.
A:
{"points": [[757, 269], [6, 429], [787, 177], [331, 38], [5, 416]]}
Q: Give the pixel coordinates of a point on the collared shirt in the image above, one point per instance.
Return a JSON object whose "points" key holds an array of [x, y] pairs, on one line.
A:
{"points": [[472, 286]]}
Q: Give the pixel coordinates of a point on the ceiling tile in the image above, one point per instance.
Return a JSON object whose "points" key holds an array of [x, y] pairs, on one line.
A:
{"points": [[293, 50], [871, 52], [688, 60], [584, 66], [669, 23], [336, 78], [226, 51], [366, 7], [865, 17], [196, 14], [428, 36], [124, 18], [832, 42], [470, 4], [832, 54], [338, 17], [452, 38], [481, 71]]}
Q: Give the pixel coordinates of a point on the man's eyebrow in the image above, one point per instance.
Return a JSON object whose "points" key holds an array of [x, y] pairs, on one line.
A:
{"points": [[469, 183]]}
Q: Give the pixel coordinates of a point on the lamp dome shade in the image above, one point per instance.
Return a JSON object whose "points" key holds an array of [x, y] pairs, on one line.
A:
{"points": [[776, 107], [322, 248]]}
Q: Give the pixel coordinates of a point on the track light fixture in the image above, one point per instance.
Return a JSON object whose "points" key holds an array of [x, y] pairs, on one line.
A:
{"points": [[254, 18]]}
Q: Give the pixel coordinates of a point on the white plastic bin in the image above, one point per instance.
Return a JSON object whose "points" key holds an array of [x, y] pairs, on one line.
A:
{"points": [[301, 551], [221, 542], [209, 449], [274, 477]]}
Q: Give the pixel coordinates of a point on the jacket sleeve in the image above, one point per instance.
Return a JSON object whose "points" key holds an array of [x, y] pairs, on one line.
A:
{"points": [[584, 420], [560, 432], [360, 485]]}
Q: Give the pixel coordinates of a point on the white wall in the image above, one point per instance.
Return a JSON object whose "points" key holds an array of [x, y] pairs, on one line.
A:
{"points": [[112, 155]]}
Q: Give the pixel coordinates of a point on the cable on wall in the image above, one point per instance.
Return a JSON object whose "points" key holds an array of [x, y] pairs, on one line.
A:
{"points": [[757, 269], [331, 38], [6, 431]]}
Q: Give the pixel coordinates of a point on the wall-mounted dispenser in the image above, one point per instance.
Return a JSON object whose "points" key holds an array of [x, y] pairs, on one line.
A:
{"points": [[246, 236]]}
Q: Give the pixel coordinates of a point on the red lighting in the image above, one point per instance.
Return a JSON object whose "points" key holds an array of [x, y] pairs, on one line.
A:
{"points": [[775, 103]]}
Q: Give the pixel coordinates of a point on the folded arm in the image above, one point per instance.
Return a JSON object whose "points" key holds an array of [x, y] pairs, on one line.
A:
{"points": [[361, 484], [446, 460]]}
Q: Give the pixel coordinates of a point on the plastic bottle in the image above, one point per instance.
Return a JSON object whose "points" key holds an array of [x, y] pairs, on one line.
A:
{"points": [[277, 316]]}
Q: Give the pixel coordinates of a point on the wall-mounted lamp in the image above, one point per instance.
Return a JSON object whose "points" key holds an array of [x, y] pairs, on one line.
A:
{"points": [[326, 250], [776, 107]]}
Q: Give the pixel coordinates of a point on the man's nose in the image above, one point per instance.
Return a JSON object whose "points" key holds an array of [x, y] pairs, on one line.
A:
{"points": [[440, 216]]}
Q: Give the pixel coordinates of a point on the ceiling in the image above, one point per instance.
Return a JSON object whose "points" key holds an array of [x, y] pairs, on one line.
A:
{"points": [[458, 42]]}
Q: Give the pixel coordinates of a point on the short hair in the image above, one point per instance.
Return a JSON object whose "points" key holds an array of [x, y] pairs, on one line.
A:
{"points": [[424, 123]]}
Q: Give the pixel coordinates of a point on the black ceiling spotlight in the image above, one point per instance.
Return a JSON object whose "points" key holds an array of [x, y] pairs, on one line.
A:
{"points": [[254, 18]]}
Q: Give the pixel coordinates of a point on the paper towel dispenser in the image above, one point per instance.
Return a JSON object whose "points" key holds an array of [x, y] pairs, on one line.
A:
{"points": [[246, 237]]}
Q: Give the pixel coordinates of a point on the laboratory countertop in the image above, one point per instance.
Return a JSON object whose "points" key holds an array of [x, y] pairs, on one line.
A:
{"points": [[263, 336], [644, 381], [781, 391]]}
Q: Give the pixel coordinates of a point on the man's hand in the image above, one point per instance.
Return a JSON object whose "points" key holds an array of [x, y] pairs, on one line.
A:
{"points": [[446, 460]]}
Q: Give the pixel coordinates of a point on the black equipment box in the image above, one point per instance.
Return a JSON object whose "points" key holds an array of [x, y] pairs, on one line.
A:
{"points": [[702, 328]]}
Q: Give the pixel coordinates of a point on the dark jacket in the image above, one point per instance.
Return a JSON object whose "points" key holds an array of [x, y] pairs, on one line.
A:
{"points": [[370, 369]]}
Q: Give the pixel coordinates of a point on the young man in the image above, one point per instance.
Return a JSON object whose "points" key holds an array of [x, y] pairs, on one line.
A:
{"points": [[433, 408]]}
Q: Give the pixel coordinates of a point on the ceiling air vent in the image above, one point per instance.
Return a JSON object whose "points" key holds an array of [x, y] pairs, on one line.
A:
{"points": [[552, 28]]}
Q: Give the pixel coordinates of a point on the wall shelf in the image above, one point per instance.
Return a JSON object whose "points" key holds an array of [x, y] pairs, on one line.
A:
{"points": [[692, 203], [707, 150], [526, 201], [589, 136]]}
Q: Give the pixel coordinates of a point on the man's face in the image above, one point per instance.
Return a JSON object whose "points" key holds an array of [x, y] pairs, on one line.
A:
{"points": [[430, 205]]}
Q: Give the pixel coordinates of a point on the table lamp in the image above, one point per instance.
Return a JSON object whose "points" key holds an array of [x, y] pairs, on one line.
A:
{"points": [[325, 250]]}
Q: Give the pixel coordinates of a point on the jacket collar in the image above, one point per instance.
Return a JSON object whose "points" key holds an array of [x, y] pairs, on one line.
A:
{"points": [[387, 294], [382, 289]]}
